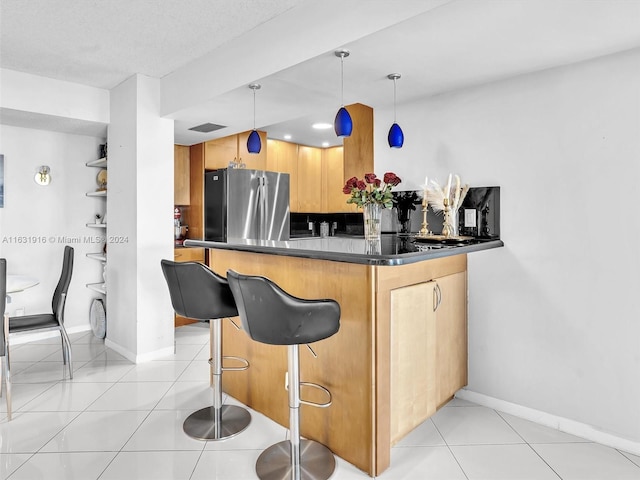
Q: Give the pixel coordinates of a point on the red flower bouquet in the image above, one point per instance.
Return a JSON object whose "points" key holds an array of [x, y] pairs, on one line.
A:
{"points": [[371, 189]]}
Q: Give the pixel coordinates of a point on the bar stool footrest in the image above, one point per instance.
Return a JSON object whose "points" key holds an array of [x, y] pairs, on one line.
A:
{"points": [[316, 461], [312, 385], [202, 425], [244, 361]]}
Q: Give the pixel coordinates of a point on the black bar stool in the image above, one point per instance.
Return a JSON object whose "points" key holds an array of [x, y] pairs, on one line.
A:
{"points": [[270, 315], [199, 293]]}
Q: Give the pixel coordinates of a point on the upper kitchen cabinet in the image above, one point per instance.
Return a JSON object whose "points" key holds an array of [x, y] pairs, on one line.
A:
{"points": [[333, 180], [329, 168], [220, 152], [309, 180], [181, 180], [283, 157], [358, 148]]}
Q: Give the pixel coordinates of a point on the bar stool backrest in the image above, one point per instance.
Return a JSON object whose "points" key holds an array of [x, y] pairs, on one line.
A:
{"points": [[271, 315], [198, 292]]}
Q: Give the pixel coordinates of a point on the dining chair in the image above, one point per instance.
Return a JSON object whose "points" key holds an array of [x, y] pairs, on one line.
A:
{"points": [[53, 320], [4, 333]]}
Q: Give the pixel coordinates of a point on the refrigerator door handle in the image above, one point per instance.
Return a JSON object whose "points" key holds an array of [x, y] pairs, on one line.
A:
{"points": [[263, 208]]}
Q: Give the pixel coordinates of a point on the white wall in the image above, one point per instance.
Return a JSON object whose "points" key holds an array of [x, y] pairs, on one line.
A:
{"points": [[554, 316], [37, 222]]}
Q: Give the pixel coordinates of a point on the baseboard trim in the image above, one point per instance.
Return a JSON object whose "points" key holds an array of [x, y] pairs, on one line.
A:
{"points": [[566, 425], [147, 357]]}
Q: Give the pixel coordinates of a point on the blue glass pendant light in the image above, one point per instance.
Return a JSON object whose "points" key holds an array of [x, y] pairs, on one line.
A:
{"points": [[254, 145], [396, 136], [343, 124]]}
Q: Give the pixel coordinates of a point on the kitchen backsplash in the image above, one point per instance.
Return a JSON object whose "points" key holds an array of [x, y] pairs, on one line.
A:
{"points": [[484, 201]]}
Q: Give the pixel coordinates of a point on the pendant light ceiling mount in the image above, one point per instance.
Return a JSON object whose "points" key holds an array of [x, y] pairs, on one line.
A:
{"points": [[254, 145], [344, 53], [396, 136], [343, 124]]}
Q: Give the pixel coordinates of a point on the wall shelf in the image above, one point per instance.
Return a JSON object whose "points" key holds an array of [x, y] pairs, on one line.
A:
{"points": [[98, 193], [100, 163], [101, 257], [98, 287]]}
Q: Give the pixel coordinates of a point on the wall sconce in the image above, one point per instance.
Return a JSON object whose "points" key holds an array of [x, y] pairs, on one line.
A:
{"points": [[43, 177]]}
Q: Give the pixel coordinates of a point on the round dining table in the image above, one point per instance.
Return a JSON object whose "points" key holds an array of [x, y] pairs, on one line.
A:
{"points": [[18, 283]]}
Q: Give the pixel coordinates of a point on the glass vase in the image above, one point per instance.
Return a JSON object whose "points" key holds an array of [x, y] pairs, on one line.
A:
{"points": [[450, 226], [372, 226]]}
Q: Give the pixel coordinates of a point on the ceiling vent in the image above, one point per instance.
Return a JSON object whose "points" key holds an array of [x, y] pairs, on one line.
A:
{"points": [[207, 127]]}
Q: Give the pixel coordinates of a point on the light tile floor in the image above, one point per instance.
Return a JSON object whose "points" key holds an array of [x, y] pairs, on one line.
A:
{"points": [[120, 421]]}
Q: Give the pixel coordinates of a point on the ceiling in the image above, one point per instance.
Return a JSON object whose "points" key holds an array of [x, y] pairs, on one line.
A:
{"points": [[206, 52]]}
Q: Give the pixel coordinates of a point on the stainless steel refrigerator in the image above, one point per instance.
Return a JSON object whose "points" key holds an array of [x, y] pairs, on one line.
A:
{"points": [[247, 204]]}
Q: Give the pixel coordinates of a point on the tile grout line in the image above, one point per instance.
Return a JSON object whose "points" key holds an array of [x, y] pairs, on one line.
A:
{"points": [[620, 452], [119, 380], [70, 381], [528, 444], [449, 447]]}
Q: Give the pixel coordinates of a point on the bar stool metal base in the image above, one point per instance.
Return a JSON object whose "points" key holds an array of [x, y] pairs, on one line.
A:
{"points": [[316, 461], [202, 425]]}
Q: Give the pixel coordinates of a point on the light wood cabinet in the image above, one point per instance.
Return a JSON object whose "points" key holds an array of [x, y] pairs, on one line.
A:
{"points": [[283, 157], [220, 152], [188, 254], [428, 349], [358, 147], [333, 180], [309, 180], [319, 180], [185, 254], [181, 182], [451, 336], [413, 356], [194, 215]]}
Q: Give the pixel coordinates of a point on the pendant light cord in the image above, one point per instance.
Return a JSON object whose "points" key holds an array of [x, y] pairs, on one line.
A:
{"points": [[394, 100], [254, 108], [342, 80]]}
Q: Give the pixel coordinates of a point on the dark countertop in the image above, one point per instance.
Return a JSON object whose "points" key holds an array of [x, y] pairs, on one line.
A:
{"points": [[393, 249]]}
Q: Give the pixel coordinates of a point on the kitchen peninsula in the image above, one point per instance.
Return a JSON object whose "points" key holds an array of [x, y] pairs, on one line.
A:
{"points": [[401, 351]]}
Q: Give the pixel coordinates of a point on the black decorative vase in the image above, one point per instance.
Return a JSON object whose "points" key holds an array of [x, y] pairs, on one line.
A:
{"points": [[404, 218]]}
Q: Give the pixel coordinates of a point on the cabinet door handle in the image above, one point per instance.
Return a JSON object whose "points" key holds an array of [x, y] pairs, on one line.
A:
{"points": [[437, 297]]}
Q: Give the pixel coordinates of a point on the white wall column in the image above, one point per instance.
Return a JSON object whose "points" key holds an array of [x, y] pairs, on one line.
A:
{"points": [[139, 221]]}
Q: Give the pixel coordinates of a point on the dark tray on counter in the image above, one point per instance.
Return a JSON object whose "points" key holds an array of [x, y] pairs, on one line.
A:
{"points": [[460, 240]]}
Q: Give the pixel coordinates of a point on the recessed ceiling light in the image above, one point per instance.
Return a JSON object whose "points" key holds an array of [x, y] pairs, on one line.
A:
{"points": [[325, 144], [321, 126], [287, 137]]}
